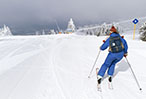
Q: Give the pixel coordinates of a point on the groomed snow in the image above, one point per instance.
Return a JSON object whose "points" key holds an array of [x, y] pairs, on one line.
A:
{"points": [[57, 67]]}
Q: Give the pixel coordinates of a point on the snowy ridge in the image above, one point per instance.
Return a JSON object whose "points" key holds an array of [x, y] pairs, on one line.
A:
{"points": [[57, 67], [122, 26]]}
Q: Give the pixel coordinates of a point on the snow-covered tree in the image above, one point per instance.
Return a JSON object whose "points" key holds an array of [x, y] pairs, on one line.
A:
{"points": [[5, 31], [52, 31], [43, 32], [142, 32], [71, 27], [36, 33]]}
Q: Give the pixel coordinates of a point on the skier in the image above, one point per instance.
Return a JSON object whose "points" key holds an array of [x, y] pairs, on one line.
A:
{"points": [[117, 50]]}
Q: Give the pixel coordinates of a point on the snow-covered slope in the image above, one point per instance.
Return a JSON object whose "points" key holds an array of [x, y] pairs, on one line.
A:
{"points": [[57, 67]]}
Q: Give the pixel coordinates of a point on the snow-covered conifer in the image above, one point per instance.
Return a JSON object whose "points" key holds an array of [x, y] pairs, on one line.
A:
{"points": [[5, 31], [142, 32], [43, 32], [52, 31], [71, 27]]}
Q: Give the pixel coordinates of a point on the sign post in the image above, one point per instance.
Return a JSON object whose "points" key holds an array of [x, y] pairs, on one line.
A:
{"points": [[135, 21]]}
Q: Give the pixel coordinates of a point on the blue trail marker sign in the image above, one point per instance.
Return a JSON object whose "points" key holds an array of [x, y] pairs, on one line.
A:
{"points": [[135, 21]]}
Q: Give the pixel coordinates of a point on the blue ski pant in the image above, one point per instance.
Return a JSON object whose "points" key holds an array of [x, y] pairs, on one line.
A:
{"points": [[110, 63]]}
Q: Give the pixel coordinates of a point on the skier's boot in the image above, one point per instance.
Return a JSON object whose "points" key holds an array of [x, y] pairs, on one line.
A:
{"points": [[99, 79], [110, 79]]}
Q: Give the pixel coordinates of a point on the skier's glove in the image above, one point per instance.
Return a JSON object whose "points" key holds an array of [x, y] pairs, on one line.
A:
{"points": [[126, 54], [122, 36], [103, 41]]}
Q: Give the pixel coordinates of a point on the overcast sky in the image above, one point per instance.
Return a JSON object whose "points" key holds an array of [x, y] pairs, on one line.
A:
{"points": [[18, 12]]}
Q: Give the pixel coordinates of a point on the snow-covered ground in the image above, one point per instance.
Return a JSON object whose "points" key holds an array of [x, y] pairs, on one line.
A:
{"points": [[57, 67]]}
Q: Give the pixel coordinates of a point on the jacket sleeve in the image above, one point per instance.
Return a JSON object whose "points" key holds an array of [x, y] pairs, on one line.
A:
{"points": [[105, 45], [125, 46]]}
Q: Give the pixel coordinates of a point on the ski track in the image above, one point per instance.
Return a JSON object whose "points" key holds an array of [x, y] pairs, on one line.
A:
{"points": [[58, 83]]}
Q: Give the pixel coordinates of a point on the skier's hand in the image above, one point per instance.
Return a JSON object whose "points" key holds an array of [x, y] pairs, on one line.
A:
{"points": [[122, 36], [126, 54], [103, 41]]}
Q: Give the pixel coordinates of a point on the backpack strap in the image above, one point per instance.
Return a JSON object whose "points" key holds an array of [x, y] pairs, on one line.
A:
{"points": [[122, 45]]}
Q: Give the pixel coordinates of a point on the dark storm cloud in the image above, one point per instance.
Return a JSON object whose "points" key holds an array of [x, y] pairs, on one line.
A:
{"points": [[82, 11]]}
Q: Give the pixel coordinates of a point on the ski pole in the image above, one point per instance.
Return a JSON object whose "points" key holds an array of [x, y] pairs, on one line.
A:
{"points": [[94, 64], [133, 74]]}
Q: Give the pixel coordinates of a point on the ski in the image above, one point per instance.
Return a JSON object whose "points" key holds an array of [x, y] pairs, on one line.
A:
{"points": [[99, 88], [110, 85], [98, 85]]}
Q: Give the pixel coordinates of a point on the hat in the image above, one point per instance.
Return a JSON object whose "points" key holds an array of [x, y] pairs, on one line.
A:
{"points": [[113, 29]]}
